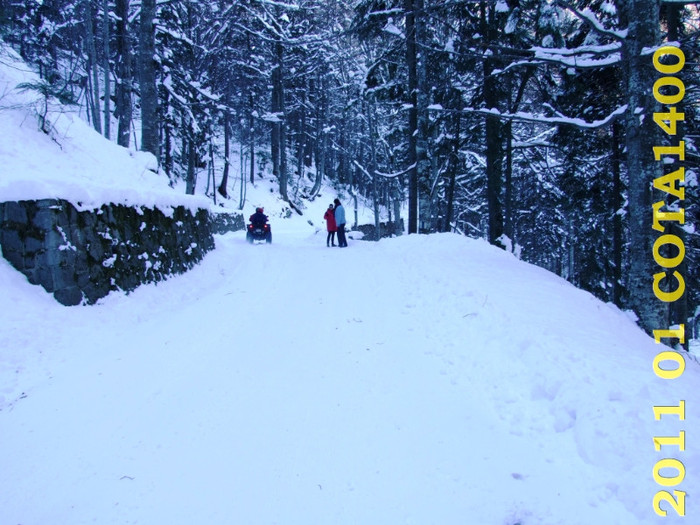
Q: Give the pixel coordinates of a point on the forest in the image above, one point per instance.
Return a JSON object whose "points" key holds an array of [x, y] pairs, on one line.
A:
{"points": [[563, 131]]}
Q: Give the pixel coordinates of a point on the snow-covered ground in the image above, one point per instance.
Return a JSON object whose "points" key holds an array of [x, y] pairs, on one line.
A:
{"points": [[423, 379]]}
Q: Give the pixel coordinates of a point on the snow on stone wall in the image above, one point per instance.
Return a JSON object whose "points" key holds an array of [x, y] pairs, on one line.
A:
{"points": [[82, 255]]}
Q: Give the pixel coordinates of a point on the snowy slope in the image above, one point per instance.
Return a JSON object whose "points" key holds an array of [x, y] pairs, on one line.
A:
{"points": [[424, 379], [73, 161]]}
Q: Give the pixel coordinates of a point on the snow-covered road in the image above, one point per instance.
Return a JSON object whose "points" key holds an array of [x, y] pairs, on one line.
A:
{"points": [[416, 380]]}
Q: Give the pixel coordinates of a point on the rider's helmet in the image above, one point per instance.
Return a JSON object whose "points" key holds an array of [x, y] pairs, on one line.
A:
{"points": [[258, 210]]}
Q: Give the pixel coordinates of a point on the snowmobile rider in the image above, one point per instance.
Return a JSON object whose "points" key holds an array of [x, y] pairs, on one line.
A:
{"points": [[258, 218]]}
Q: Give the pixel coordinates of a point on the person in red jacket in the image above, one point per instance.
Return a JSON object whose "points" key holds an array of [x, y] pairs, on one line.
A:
{"points": [[330, 225]]}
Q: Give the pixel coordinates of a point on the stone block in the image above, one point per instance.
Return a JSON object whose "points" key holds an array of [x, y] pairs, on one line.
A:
{"points": [[44, 219], [63, 276], [44, 276], [15, 258], [70, 296], [29, 263], [82, 279], [94, 291], [96, 250], [33, 245], [55, 239], [11, 241], [77, 237], [15, 213]]}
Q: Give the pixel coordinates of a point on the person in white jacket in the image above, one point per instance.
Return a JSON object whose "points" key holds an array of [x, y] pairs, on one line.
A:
{"points": [[340, 223]]}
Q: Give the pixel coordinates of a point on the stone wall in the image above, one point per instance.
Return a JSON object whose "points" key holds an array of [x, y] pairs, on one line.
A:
{"points": [[226, 222], [81, 256], [388, 229]]}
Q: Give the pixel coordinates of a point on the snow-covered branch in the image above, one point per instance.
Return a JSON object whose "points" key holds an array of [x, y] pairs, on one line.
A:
{"points": [[583, 57], [589, 18], [291, 7], [397, 174], [385, 175], [541, 119]]}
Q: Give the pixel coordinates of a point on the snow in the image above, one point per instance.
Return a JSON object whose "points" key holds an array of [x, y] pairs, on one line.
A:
{"points": [[241, 393], [608, 8], [502, 6], [272, 117], [580, 57], [512, 23], [74, 162], [589, 16], [559, 119], [391, 28], [421, 379]]}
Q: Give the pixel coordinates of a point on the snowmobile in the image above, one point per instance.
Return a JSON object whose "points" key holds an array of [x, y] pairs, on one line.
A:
{"points": [[258, 233], [258, 228]]}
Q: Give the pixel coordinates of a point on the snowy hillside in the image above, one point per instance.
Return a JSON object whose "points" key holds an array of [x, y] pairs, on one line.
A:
{"points": [[423, 379], [72, 161]]}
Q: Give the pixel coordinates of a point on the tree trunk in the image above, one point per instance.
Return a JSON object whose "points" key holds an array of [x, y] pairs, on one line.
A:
{"points": [[398, 199], [302, 139], [373, 168], [168, 126], [191, 181], [509, 213], [212, 170], [320, 143], [300, 154], [107, 69], [227, 149], [124, 82], [343, 172], [244, 189], [453, 164], [618, 246], [494, 170], [275, 133], [92, 66], [251, 139], [278, 146], [147, 76], [679, 313], [284, 172], [411, 63], [508, 208], [642, 17], [494, 150], [423, 158]]}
